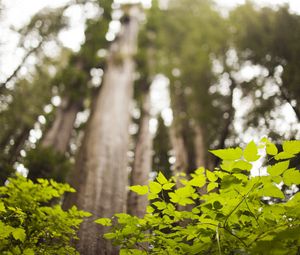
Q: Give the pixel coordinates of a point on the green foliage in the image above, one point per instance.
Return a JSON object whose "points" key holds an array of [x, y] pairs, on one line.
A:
{"points": [[28, 225], [225, 211], [47, 163]]}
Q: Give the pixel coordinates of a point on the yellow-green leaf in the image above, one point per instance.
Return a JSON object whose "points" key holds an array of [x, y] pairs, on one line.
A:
{"points": [[278, 168], [155, 187], [198, 181], [161, 178], [28, 252], [270, 190], [284, 155], [2, 207], [228, 154], [211, 176], [271, 149], [141, 190], [291, 176], [104, 222], [291, 147], [211, 186], [168, 186], [160, 205], [19, 234], [251, 152]]}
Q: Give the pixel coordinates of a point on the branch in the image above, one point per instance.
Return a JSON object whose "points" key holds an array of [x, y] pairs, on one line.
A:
{"points": [[15, 72]]}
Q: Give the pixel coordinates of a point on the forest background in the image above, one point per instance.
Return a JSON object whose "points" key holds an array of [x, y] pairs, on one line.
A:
{"points": [[144, 88]]}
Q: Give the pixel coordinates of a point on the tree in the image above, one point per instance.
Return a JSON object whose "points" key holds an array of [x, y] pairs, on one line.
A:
{"points": [[267, 37], [72, 82], [100, 175], [188, 51]]}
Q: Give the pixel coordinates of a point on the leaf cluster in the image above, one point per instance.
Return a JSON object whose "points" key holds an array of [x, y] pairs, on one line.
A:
{"points": [[30, 225], [225, 211]]}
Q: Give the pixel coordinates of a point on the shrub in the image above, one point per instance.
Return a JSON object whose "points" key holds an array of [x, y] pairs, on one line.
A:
{"points": [[239, 212], [29, 224]]}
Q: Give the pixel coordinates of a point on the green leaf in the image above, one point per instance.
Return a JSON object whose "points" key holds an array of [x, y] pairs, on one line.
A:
{"points": [[152, 196], [270, 190], [104, 222], [19, 234], [161, 178], [212, 186], [271, 149], [291, 147], [160, 205], [228, 154], [28, 252], [251, 152], [242, 165], [2, 207], [198, 181], [109, 236], [291, 176], [211, 176], [141, 190], [278, 168], [155, 187], [149, 209], [168, 186], [284, 155]]}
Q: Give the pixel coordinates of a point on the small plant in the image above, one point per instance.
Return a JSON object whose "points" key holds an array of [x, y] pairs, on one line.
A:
{"points": [[29, 225], [239, 212]]}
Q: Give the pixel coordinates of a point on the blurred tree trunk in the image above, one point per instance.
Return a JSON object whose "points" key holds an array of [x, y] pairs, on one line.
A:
{"points": [[200, 147], [100, 175], [59, 135], [142, 161], [180, 150]]}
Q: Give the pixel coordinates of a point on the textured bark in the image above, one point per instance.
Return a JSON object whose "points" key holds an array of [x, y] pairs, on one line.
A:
{"points": [[142, 162], [100, 175], [180, 150], [200, 147], [59, 135]]}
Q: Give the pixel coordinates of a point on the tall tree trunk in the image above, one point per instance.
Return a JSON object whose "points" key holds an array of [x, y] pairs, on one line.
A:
{"points": [[180, 150], [142, 162], [59, 135], [200, 147], [100, 175]]}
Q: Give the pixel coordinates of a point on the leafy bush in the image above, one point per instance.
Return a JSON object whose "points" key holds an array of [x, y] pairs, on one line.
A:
{"points": [[226, 211], [29, 225]]}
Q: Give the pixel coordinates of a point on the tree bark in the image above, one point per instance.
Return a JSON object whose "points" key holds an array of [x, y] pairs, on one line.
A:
{"points": [[200, 147], [142, 162], [180, 150], [100, 175], [59, 135]]}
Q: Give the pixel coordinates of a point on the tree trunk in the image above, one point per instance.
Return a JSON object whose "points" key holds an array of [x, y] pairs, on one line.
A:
{"points": [[142, 162], [200, 148], [59, 135], [100, 175], [180, 150]]}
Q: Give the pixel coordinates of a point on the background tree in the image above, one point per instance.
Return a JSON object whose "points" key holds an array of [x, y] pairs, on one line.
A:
{"points": [[100, 175]]}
